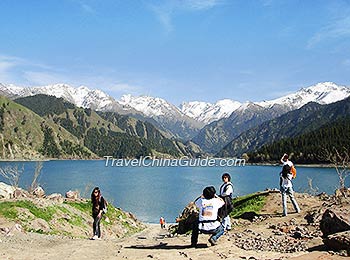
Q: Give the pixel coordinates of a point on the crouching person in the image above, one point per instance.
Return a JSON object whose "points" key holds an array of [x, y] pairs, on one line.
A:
{"points": [[208, 223]]}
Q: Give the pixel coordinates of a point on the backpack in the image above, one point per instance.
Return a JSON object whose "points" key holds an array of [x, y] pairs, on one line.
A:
{"points": [[293, 172]]}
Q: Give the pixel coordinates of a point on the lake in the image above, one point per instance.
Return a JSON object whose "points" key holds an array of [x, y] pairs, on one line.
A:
{"points": [[151, 192]]}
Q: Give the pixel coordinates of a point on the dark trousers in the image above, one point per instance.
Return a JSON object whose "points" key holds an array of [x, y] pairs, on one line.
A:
{"points": [[96, 226]]}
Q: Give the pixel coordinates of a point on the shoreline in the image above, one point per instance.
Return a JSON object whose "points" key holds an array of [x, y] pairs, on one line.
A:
{"points": [[318, 165]]}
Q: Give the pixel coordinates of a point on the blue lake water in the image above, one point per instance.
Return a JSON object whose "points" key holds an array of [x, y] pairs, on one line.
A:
{"points": [[151, 192]]}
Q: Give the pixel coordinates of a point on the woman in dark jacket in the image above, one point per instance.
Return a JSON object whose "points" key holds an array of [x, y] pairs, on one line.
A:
{"points": [[98, 208]]}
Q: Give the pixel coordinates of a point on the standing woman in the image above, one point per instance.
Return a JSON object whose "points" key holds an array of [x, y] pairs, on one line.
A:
{"points": [[98, 207], [226, 191]]}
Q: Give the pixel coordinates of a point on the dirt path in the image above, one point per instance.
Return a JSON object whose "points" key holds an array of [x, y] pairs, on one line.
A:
{"points": [[152, 243], [155, 243]]}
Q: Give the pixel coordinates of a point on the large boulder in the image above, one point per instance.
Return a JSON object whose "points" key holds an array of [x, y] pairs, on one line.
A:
{"points": [[56, 197], [335, 220], [188, 216], [39, 192], [338, 241], [20, 193], [6, 191], [73, 195]]}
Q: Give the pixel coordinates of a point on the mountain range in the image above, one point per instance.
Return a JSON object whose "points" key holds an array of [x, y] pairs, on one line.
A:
{"points": [[308, 119], [211, 126], [41, 126]]}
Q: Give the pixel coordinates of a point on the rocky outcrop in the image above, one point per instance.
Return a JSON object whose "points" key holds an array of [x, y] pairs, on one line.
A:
{"points": [[335, 220], [73, 195], [6, 191], [39, 192], [188, 216], [338, 241], [56, 197]]}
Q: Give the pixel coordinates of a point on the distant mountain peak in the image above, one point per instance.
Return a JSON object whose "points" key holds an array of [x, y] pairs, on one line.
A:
{"points": [[322, 93], [208, 112]]}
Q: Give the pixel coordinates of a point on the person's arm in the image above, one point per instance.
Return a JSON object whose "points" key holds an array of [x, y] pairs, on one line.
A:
{"points": [[220, 200], [102, 206], [283, 158]]}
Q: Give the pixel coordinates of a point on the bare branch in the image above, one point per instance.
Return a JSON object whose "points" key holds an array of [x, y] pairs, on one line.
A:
{"points": [[12, 174]]}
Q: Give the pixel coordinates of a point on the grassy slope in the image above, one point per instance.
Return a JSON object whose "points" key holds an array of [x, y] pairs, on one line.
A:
{"points": [[70, 218], [22, 129]]}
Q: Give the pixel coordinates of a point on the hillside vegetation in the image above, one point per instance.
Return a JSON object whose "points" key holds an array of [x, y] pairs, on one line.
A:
{"points": [[308, 148], [26, 135], [102, 133]]}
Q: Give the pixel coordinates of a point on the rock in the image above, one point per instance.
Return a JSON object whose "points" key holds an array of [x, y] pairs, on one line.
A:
{"points": [[39, 192], [338, 241], [20, 193], [40, 225], [335, 220], [249, 216], [56, 197], [6, 191], [72, 195], [188, 216], [345, 192]]}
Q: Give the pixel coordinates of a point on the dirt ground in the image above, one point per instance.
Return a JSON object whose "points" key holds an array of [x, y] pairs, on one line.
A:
{"points": [[155, 243]]}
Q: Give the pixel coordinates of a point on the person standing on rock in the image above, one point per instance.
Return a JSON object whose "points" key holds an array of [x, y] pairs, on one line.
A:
{"points": [[98, 208], [207, 222], [226, 191], [286, 188]]}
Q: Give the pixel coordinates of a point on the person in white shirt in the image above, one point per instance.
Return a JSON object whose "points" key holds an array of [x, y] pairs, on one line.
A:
{"points": [[286, 188], [285, 160], [208, 223], [226, 191]]}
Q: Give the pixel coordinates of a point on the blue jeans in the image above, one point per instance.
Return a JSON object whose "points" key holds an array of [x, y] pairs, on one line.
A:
{"points": [[216, 233], [288, 191]]}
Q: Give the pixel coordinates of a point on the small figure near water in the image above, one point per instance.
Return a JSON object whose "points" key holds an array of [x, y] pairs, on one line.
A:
{"points": [[162, 222], [99, 206], [226, 191], [286, 185], [207, 223]]}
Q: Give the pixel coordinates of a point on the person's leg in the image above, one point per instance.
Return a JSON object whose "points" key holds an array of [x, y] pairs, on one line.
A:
{"points": [[195, 232], [284, 202], [218, 232], [290, 193], [97, 227], [228, 223]]}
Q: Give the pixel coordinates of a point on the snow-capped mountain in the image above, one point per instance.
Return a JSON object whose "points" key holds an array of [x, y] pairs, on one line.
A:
{"points": [[167, 116], [322, 93], [207, 112], [81, 96], [150, 106], [183, 121]]}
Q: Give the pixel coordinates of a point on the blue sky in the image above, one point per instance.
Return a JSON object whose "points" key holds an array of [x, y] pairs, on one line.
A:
{"points": [[179, 50]]}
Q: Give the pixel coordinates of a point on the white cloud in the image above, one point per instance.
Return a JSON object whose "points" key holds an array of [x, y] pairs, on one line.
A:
{"points": [[44, 78], [336, 29], [166, 10], [197, 5]]}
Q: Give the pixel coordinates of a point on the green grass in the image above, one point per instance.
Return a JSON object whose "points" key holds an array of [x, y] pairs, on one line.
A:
{"points": [[8, 210], [84, 206], [249, 203]]}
